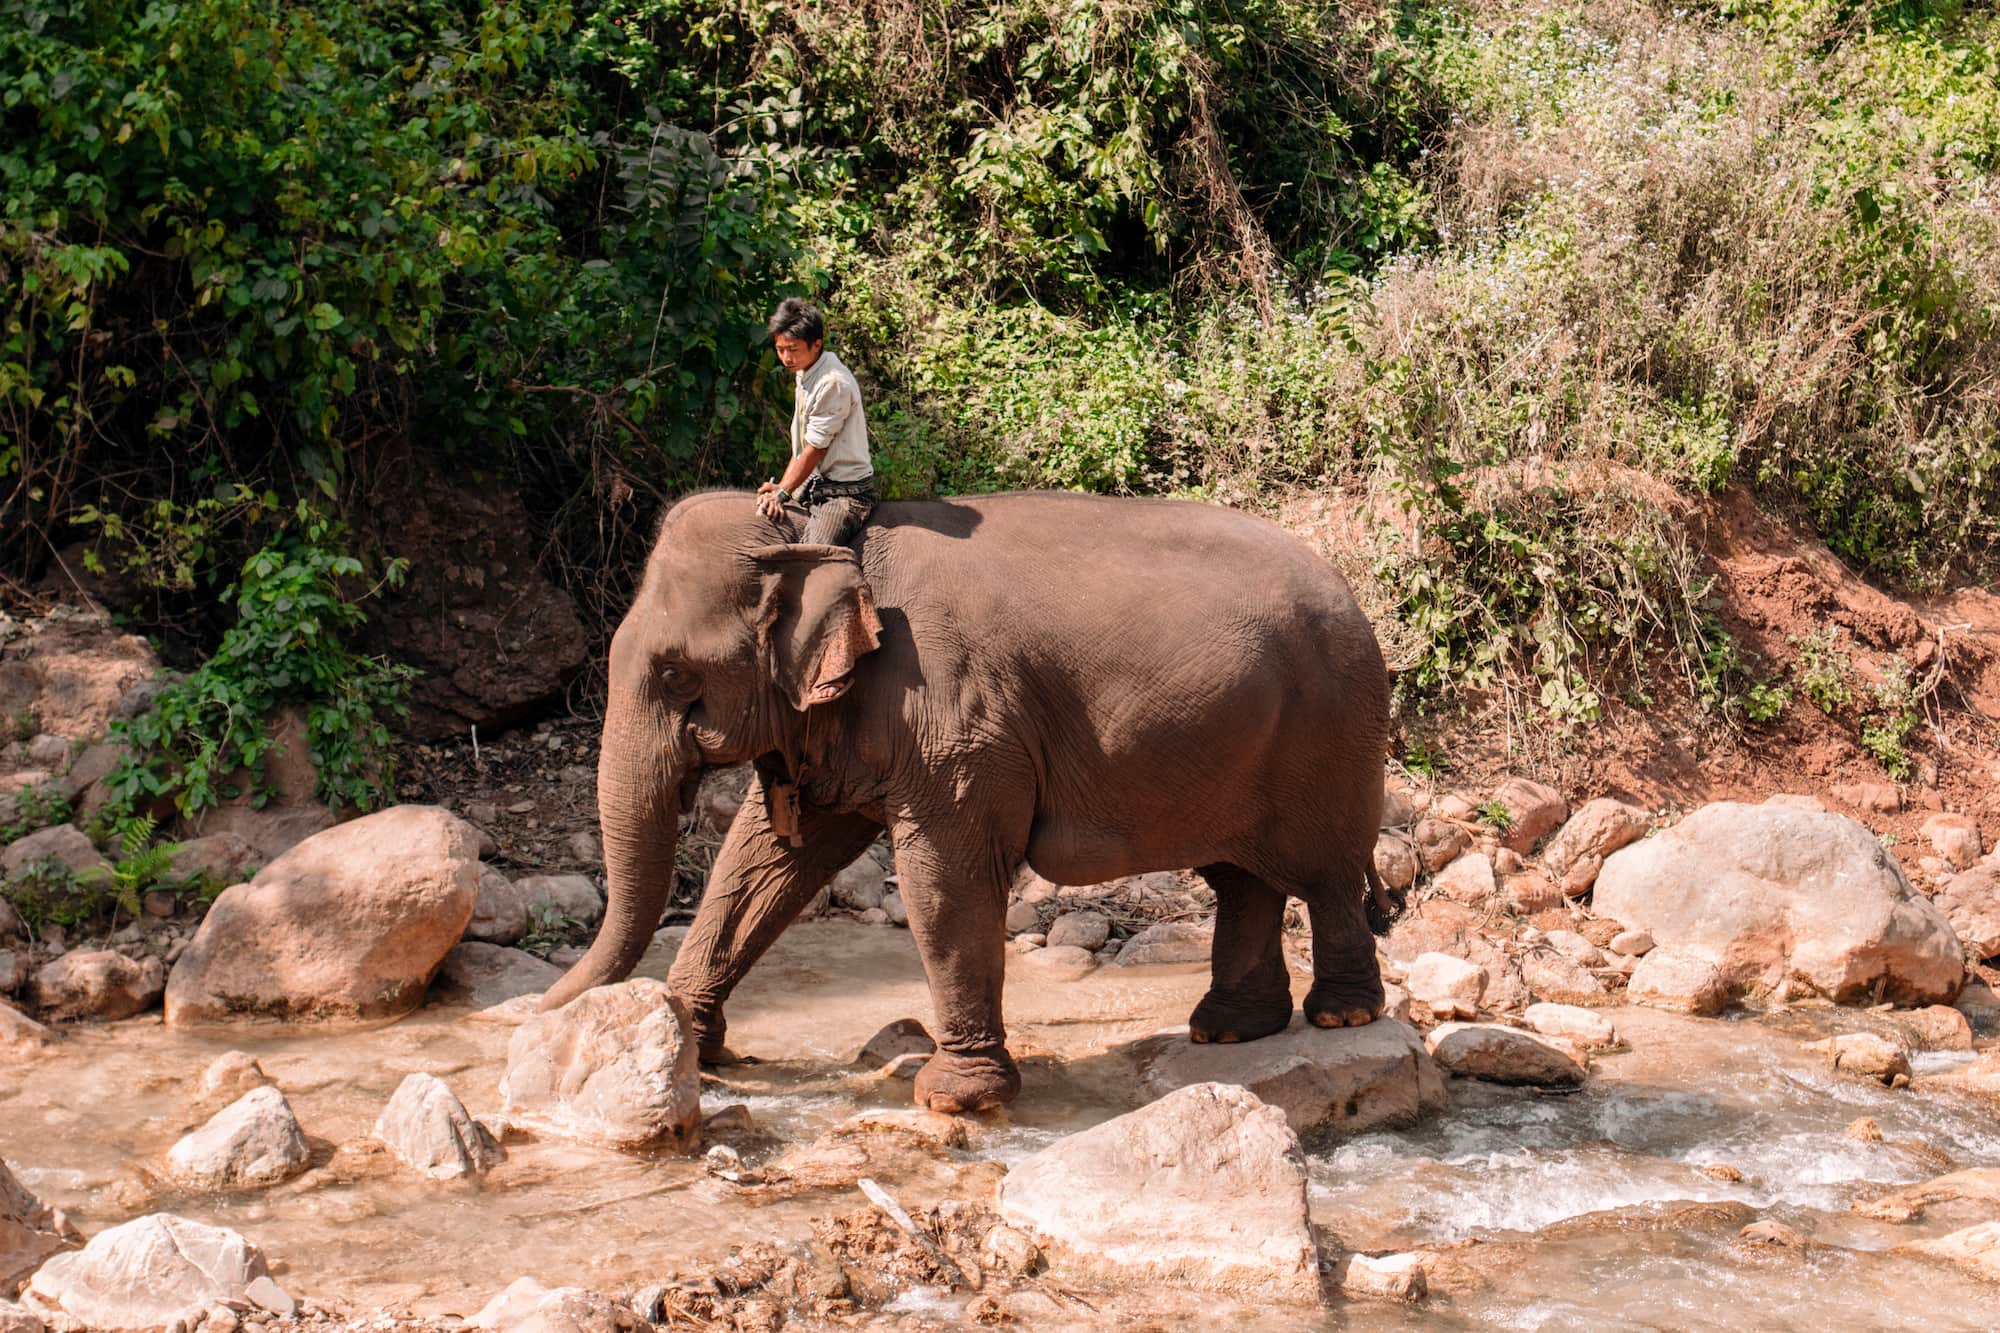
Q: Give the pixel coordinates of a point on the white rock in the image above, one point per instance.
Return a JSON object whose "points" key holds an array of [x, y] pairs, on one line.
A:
{"points": [[255, 1140], [615, 1066], [1668, 979], [1468, 879], [1769, 896], [1349, 1080], [1446, 984], [1554, 977], [1205, 1188], [893, 908], [427, 1127], [526, 1306], [1085, 930], [1631, 944], [860, 885], [1393, 1277], [146, 1274], [1505, 1055], [1585, 1026], [1168, 944], [231, 1075]]}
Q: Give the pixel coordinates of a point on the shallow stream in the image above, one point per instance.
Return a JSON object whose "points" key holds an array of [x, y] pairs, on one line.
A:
{"points": [[1555, 1211]]}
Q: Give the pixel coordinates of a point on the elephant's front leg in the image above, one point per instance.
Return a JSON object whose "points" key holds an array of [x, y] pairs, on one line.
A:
{"points": [[954, 886], [758, 886]]}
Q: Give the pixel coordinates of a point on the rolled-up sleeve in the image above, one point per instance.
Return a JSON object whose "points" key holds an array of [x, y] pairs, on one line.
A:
{"points": [[827, 410]]}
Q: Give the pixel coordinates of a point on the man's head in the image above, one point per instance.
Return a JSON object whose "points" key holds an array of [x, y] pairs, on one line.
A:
{"points": [[797, 330]]}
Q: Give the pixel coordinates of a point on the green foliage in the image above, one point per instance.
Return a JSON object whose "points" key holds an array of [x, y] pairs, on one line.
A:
{"points": [[205, 738], [35, 808], [142, 863], [1822, 669], [549, 927], [1898, 711], [1495, 815]]}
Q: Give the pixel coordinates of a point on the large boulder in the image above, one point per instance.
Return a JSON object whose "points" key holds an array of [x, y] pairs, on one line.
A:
{"points": [[431, 1132], [1169, 944], [97, 983], [1771, 896], [1346, 1079], [146, 1275], [483, 975], [1205, 1188], [255, 1140], [29, 1232], [615, 1066], [351, 923]]}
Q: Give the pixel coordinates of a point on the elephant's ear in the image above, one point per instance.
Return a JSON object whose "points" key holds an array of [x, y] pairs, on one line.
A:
{"points": [[818, 619]]}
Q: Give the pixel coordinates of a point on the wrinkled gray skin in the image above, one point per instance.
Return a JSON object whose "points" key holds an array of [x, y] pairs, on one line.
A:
{"points": [[1098, 687]]}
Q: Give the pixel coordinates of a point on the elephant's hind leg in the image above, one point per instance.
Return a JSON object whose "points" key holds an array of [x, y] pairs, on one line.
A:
{"points": [[758, 886], [1347, 980], [1250, 990]]}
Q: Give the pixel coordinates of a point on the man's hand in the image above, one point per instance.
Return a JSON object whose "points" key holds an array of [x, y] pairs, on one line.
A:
{"points": [[768, 503]]}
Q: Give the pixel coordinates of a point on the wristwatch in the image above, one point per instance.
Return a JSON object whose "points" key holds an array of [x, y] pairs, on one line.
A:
{"points": [[784, 496]]}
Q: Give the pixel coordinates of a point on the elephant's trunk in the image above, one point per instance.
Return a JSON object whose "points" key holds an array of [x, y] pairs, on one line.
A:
{"points": [[639, 776]]}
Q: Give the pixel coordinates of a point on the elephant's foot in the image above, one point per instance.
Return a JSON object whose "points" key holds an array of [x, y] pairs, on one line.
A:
{"points": [[721, 1057], [707, 1026], [1225, 1018], [952, 1083], [1349, 1004]]}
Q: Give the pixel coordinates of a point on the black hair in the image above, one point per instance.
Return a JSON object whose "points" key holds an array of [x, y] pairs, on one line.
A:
{"points": [[798, 319]]}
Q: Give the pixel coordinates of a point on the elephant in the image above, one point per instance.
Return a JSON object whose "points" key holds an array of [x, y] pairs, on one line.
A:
{"points": [[1093, 686]]}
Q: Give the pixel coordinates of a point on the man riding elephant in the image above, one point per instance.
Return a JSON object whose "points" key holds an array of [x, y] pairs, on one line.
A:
{"points": [[1096, 687]]}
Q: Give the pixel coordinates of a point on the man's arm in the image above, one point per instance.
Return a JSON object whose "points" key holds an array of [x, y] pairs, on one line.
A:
{"points": [[768, 502]]}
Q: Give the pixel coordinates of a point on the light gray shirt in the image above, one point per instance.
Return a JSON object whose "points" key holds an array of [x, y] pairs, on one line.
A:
{"points": [[827, 415]]}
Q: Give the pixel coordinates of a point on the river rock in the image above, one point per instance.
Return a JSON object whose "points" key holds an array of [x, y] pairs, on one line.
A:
{"points": [[1937, 1027], [29, 1231], [1505, 1055], [1971, 902], [1533, 812], [1770, 896], [146, 1274], [21, 1035], [905, 1036], [500, 912], [483, 975], [1669, 979], [1023, 918], [1865, 1055], [1953, 837], [17, 1319], [221, 859], [1168, 943], [1439, 843], [1975, 1247], [97, 984], [351, 923], [1555, 977], [1391, 1277], [526, 1306], [1979, 1186], [893, 908], [1084, 930], [1446, 984], [1530, 892], [1631, 944], [255, 1140], [1396, 860], [1981, 1076], [1205, 1188], [230, 1076], [1349, 1080], [614, 1066], [575, 896], [860, 885], [1586, 1027], [1468, 879], [1601, 827], [428, 1128], [1057, 962], [65, 843]]}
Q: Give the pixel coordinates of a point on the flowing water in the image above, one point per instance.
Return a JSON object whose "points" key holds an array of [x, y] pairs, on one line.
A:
{"points": [[1551, 1211]]}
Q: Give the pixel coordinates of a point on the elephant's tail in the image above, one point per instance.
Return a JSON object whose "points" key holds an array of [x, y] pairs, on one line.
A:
{"points": [[1383, 906]]}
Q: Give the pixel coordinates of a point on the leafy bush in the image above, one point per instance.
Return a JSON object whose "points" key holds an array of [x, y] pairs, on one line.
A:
{"points": [[205, 737]]}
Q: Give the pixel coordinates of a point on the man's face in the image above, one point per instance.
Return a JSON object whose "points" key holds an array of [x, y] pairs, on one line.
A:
{"points": [[796, 354]]}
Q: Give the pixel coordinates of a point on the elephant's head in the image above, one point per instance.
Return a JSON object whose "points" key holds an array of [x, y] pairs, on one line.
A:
{"points": [[734, 635]]}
